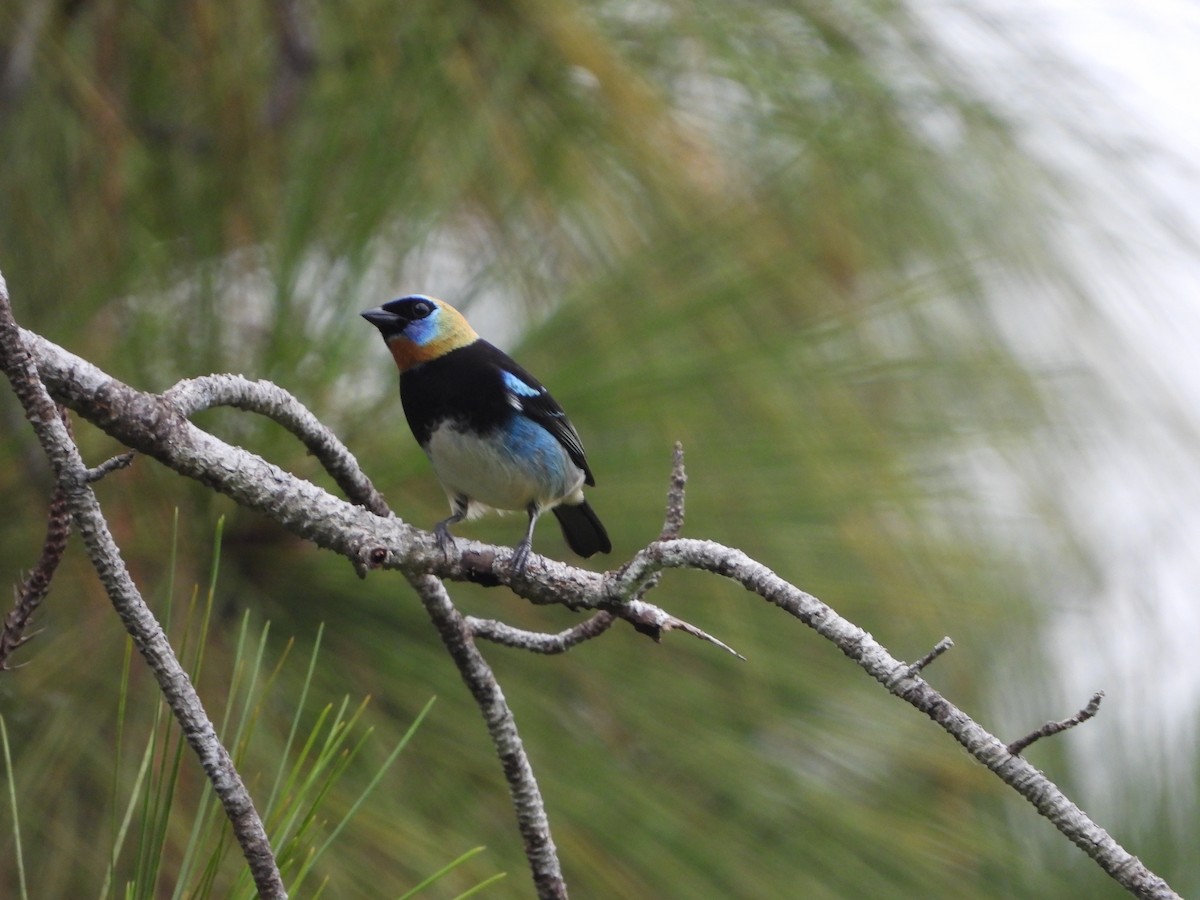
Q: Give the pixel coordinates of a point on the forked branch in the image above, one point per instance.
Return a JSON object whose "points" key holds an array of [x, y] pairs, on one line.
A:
{"points": [[74, 483], [157, 426]]}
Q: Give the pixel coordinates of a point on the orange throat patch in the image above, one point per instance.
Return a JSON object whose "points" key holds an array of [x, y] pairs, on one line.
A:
{"points": [[408, 354]]}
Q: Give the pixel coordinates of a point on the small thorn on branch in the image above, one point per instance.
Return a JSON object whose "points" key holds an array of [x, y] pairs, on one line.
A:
{"points": [[652, 621], [672, 527], [1052, 728], [938, 649]]}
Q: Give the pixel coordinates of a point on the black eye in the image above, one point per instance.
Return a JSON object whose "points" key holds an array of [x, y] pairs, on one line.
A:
{"points": [[421, 309]]}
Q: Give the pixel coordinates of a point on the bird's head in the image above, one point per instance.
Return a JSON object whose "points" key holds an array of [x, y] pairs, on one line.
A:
{"points": [[419, 328]]}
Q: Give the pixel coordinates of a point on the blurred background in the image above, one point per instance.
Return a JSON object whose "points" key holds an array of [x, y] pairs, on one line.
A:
{"points": [[912, 282]]}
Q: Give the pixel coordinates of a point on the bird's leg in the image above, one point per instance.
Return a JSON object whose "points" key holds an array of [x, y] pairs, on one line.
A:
{"points": [[521, 551], [441, 530]]}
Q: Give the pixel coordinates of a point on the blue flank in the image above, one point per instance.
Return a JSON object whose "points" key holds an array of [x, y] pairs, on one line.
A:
{"points": [[540, 454]]}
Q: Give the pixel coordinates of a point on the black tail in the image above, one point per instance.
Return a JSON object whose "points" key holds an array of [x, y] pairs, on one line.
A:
{"points": [[582, 529]]}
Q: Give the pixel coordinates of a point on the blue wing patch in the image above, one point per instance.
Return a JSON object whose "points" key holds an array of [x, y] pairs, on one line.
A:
{"points": [[519, 387], [531, 399]]}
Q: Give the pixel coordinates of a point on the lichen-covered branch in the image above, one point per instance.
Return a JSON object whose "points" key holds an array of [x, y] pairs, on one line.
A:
{"points": [[74, 483], [267, 399], [157, 427], [538, 642], [900, 679], [153, 425], [526, 796]]}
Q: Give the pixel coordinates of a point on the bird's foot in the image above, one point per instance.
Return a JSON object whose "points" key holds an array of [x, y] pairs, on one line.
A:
{"points": [[521, 556], [445, 540]]}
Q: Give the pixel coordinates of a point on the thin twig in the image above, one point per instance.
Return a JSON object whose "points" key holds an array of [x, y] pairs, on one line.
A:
{"points": [[120, 461], [673, 522], [1052, 728], [672, 528], [538, 642], [938, 649]]}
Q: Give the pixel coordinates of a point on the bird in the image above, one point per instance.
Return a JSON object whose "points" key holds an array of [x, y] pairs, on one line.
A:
{"points": [[496, 438]]}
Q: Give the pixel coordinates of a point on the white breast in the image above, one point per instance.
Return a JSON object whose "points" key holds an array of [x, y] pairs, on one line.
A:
{"points": [[501, 473]]}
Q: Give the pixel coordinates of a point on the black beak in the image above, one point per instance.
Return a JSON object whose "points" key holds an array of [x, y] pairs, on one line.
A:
{"points": [[388, 323], [380, 317]]}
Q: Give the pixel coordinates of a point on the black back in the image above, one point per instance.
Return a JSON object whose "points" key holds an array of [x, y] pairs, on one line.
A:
{"points": [[467, 385]]}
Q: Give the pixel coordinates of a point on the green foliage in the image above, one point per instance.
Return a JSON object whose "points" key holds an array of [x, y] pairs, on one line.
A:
{"points": [[167, 835], [764, 229], [19, 854]]}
